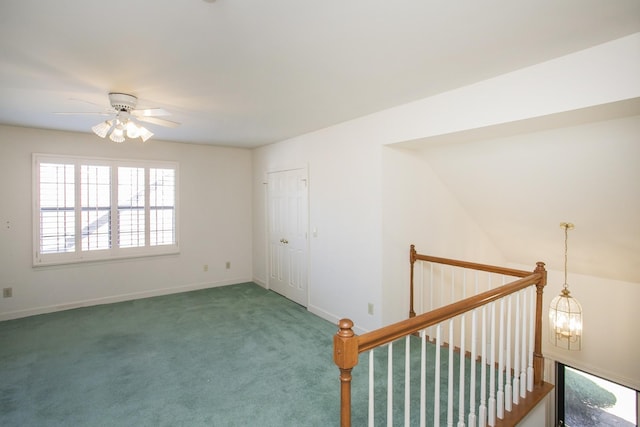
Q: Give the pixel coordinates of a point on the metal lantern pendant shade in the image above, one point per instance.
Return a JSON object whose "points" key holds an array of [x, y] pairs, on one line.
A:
{"points": [[565, 312], [565, 321]]}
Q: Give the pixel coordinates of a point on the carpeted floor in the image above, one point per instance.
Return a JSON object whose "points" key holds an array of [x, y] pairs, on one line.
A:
{"points": [[230, 356]]}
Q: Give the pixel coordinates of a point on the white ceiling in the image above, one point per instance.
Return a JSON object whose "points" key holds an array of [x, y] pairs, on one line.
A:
{"points": [[251, 72]]}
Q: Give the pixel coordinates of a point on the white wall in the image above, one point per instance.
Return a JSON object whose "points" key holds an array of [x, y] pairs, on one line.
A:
{"points": [[368, 202], [418, 209], [345, 209], [538, 415], [214, 217]]}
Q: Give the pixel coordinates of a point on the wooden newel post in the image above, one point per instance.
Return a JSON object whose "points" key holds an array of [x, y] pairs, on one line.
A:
{"points": [[538, 358], [345, 356]]}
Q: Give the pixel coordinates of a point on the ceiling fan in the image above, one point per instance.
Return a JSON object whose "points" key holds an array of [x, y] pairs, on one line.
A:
{"points": [[125, 123]]}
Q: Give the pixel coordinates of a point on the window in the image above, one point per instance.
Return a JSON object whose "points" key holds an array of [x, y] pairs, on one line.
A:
{"points": [[90, 209], [586, 400]]}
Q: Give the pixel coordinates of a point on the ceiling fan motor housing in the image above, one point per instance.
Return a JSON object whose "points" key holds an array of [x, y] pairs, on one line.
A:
{"points": [[123, 101]]}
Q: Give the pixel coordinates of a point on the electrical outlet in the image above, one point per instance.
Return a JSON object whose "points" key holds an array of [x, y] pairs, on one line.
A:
{"points": [[228, 265], [205, 267], [370, 309], [7, 292]]}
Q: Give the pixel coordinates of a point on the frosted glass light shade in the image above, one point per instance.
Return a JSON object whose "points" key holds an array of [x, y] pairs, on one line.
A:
{"points": [[117, 135], [565, 322], [144, 133], [132, 130], [101, 129]]}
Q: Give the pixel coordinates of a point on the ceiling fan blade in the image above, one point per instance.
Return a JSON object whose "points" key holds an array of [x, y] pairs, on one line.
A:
{"points": [[84, 113], [86, 101], [150, 112], [156, 121]]}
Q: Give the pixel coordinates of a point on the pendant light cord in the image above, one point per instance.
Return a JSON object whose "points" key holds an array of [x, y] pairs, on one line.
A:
{"points": [[566, 246]]}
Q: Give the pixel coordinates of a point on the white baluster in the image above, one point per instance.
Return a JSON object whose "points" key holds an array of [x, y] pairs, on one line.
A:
{"points": [[461, 385], [390, 386], [407, 381], [450, 377], [472, 379], [482, 410], [431, 299], [516, 355], [523, 343], [500, 396], [371, 390], [463, 346], [423, 379], [492, 368], [441, 291], [422, 285], [436, 392], [477, 279], [532, 317], [452, 298], [508, 390]]}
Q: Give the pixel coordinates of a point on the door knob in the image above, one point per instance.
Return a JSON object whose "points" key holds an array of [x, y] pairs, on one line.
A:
{"points": [[285, 241]]}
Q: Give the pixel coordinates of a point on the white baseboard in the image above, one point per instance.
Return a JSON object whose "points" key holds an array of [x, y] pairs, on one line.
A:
{"points": [[118, 298], [332, 318], [260, 283]]}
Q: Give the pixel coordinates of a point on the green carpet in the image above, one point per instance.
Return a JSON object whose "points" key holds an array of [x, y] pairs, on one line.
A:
{"points": [[230, 356]]}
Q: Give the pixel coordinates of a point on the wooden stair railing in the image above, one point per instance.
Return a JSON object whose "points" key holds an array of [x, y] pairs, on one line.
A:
{"points": [[347, 346], [415, 256]]}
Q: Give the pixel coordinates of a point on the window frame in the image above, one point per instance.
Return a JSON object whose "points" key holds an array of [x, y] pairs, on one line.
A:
{"points": [[114, 252], [560, 394]]}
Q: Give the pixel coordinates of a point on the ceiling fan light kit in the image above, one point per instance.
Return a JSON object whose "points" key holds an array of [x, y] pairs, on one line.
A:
{"points": [[123, 125], [119, 127]]}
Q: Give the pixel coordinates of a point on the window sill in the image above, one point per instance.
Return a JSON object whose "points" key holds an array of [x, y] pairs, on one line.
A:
{"points": [[62, 260]]}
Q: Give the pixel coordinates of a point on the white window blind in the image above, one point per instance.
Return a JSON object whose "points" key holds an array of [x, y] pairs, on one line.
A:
{"points": [[90, 209], [131, 207], [57, 208], [95, 190], [162, 213]]}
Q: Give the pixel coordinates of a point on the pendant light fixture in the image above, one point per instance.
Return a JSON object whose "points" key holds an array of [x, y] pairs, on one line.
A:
{"points": [[565, 313]]}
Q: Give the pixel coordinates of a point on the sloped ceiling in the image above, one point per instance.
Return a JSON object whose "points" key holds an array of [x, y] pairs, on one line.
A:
{"points": [[520, 188], [251, 72]]}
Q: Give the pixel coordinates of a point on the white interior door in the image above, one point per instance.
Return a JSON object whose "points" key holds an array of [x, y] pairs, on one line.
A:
{"points": [[287, 201]]}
